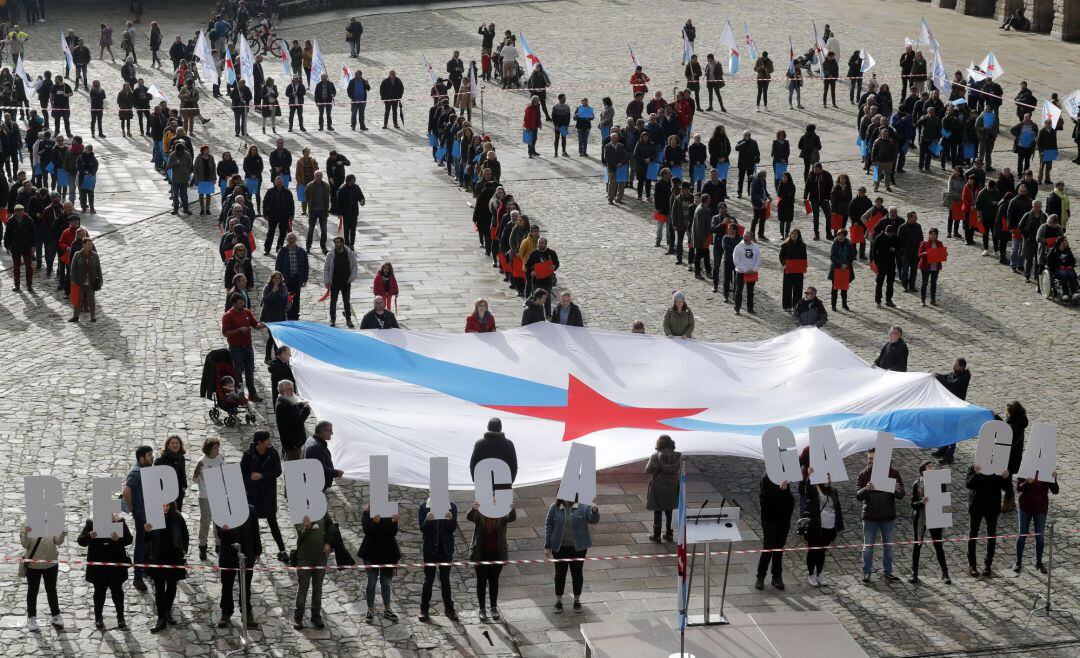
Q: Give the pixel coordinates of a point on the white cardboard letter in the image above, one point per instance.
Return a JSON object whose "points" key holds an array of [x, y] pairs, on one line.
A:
{"points": [[226, 494], [105, 504], [44, 505], [439, 486], [1040, 456], [159, 486], [781, 455], [995, 443], [882, 461], [379, 494], [934, 483], [303, 490], [825, 457], [579, 476], [494, 503]]}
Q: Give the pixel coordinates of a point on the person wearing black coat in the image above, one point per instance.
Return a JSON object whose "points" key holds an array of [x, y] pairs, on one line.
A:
{"points": [[534, 308], [793, 248], [291, 413], [826, 522], [749, 156], [278, 208], [168, 546], [918, 522], [324, 101], [348, 200], [984, 505], [20, 237], [107, 580], [391, 91], [1016, 417], [956, 382], [241, 100], [261, 466], [894, 354], [245, 538], [335, 173], [776, 507], [379, 546], [883, 252], [495, 445]]}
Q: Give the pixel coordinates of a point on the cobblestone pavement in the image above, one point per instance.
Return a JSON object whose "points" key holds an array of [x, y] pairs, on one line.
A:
{"points": [[89, 393]]}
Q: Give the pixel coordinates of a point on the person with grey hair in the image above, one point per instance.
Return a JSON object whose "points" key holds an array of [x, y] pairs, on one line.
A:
{"points": [[291, 412], [894, 355]]}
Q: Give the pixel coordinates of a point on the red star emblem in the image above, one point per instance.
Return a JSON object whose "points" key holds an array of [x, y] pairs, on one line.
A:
{"points": [[532, 58], [587, 411], [990, 68]]}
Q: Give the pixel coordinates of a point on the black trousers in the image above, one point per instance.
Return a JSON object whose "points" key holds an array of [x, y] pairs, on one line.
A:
{"points": [[390, 112], [930, 277], [739, 285], [271, 522], [977, 517], [298, 112], [103, 589], [763, 92], [279, 225], [886, 276], [939, 549], [792, 285], [830, 87], [164, 592], [487, 579], [576, 570], [293, 312], [715, 89], [228, 579], [344, 290], [429, 585], [773, 535], [815, 559], [350, 230], [325, 109], [33, 583], [749, 178]]}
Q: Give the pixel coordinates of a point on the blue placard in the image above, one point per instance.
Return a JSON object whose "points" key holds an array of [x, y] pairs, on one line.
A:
{"points": [[904, 148], [697, 172], [206, 188], [1049, 155], [252, 185], [945, 134], [935, 148], [960, 101], [88, 183], [168, 174], [863, 150], [37, 169], [527, 137], [988, 120], [605, 132], [455, 150], [779, 169], [877, 174], [62, 178], [676, 172], [432, 140], [301, 193], [221, 187], [652, 171], [50, 167], [564, 130], [585, 112], [622, 174], [753, 170], [969, 151], [440, 153], [285, 180], [722, 170], [858, 140], [1027, 139]]}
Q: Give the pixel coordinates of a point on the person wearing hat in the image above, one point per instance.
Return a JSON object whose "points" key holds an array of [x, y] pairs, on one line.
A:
{"points": [[19, 242], [679, 319], [494, 445]]}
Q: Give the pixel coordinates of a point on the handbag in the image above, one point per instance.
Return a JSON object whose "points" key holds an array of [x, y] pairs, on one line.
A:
{"points": [[22, 565], [802, 526]]}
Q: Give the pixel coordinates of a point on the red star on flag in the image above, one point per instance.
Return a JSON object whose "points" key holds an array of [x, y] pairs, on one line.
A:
{"points": [[990, 68], [587, 411], [533, 58]]}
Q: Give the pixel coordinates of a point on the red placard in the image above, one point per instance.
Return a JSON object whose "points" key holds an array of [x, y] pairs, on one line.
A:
{"points": [[857, 234], [974, 222], [544, 269], [937, 254], [955, 211], [836, 222], [518, 268], [1050, 242], [749, 277], [251, 242], [873, 267], [739, 230], [326, 295], [809, 208], [841, 279], [75, 295], [659, 216], [1017, 234], [768, 209], [3, 216], [494, 231], [872, 223], [503, 264], [708, 240], [228, 255], [1004, 224], [795, 266]]}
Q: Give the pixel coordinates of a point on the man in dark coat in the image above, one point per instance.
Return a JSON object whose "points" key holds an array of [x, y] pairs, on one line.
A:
{"points": [[278, 208], [984, 505], [391, 91], [19, 241], [292, 262], [956, 382], [495, 445], [884, 252], [324, 100], [567, 312], [261, 466], [349, 199], [245, 538], [291, 412], [776, 507], [894, 354]]}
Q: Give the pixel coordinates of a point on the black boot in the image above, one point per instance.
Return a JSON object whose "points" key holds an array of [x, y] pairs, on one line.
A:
{"points": [[669, 535], [316, 619], [655, 533], [298, 619], [202, 553]]}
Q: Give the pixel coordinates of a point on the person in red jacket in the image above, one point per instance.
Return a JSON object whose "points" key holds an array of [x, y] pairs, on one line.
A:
{"points": [[967, 208], [1034, 504], [236, 326], [480, 321], [63, 247], [929, 270], [638, 82], [532, 123], [385, 284]]}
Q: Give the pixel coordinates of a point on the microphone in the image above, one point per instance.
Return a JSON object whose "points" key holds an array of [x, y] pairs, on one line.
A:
{"points": [[697, 517]]}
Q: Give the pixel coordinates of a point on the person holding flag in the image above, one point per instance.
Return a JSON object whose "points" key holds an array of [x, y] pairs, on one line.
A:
{"points": [[693, 74]]}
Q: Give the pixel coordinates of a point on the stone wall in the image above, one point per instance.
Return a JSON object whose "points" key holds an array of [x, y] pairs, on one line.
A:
{"points": [[976, 7], [1066, 20]]}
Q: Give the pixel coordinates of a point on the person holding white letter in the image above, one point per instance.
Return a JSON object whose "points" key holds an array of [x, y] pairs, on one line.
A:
{"points": [[879, 517], [42, 548], [566, 535], [1034, 503], [919, 499], [985, 504]]}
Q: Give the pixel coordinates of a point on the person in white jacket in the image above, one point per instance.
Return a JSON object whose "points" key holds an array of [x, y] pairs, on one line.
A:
{"points": [[747, 258], [339, 271]]}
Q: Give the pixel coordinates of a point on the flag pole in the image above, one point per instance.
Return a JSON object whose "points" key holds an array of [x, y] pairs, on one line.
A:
{"points": [[482, 87]]}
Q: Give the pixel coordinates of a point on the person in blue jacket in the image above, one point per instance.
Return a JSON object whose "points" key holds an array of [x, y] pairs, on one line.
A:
{"points": [[437, 546], [358, 93], [566, 537]]}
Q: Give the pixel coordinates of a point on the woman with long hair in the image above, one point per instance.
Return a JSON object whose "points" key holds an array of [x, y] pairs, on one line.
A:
{"points": [[566, 537], [793, 259], [663, 492]]}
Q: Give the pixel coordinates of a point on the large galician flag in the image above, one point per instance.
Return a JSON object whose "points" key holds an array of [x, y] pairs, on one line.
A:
{"points": [[413, 395]]}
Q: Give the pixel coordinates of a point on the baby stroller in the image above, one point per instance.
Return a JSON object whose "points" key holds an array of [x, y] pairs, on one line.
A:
{"points": [[217, 366]]}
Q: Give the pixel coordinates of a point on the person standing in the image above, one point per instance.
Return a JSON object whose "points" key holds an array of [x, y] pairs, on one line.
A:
{"points": [[211, 458], [312, 550], [489, 544], [615, 157], [663, 493], [246, 538], [278, 208], [339, 272], [241, 100], [929, 270], [45, 549], [85, 272], [325, 91], [357, 92], [318, 196], [826, 522], [918, 521], [792, 249], [984, 505], [1034, 504], [894, 354], [776, 507], [132, 496], [107, 580], [353, 31], [747, 259], [168, 552], [172, 455], [956, 382], [879, 517], [763, 70], [437, 546], [883, 252], [748, 158], [714, 80], [760, 199], [566, 537], [391, 91], [261, 467], [290, 412], [294, 93], [531, 123], [20, 238], [349, 199], [379, 546], [292, 262], [236, 326], [910, 238]]}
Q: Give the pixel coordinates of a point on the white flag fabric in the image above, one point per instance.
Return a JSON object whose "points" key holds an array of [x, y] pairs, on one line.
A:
{"points": [[1072, 104], [908, 41], [927, 37], [991, 66], [66, 49], [29, 83], [286, 70], [751, 45], [687, 48], [1051, 113], [156, 93], [728, 43], [247, 63], [346, 77], [940, 75], [474, 82], [531, 58], [427, 67], [318, 67], [819, 49], [205, 56], [975, 74], [633, 58], [867, 60], [414, 395]]}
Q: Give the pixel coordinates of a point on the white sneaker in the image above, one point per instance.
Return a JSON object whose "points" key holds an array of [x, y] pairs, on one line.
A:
{"points": [[821, 579], [31, 624], [58, 621], [813, 580], [985, 253]]}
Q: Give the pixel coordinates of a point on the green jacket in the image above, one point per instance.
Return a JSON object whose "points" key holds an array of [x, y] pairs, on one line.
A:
{"points": [[310, 543]]}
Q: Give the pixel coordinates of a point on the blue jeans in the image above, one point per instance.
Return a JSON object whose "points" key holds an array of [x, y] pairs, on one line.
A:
{"points": [[871, 529], [243, 359], [1040, 524], [180, 196], [354, 48], [1017, 254], [381, 577]]}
